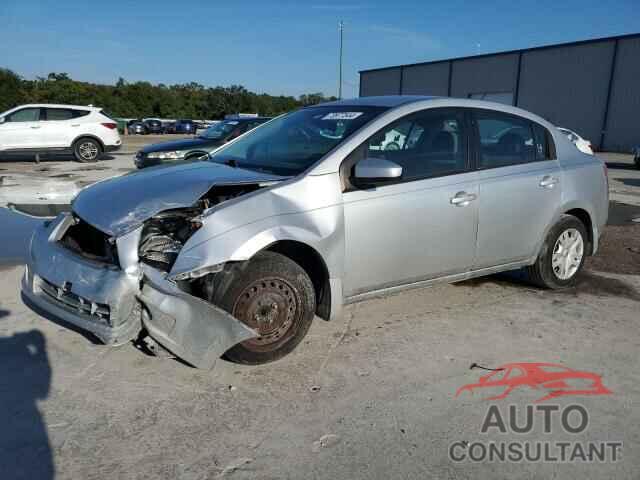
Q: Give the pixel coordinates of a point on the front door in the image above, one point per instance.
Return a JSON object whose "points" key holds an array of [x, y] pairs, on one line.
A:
{"points": [[424, 225], [21, 129]]}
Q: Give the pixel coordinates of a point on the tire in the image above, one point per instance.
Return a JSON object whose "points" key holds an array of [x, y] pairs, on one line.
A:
{"points": [[86, 150], [636, 159], [547, 275], [272, 294]]}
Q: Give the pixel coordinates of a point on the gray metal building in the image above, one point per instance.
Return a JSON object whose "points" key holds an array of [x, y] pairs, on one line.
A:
{"points": [[592, 86]]}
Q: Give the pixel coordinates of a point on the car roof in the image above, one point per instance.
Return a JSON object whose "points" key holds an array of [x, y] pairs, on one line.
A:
{"points": [[59, 105], [245, 119], [381, 101]]}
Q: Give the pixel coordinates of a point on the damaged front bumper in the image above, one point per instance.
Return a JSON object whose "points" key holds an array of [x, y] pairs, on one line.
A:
{"points": [[116, 302]]}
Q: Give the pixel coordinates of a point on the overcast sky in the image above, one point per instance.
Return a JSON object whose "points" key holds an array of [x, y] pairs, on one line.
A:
{"points": [[281, 47]]}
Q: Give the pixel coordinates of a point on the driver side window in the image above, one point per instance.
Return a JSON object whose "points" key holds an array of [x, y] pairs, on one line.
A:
{"points": [[426, 144], [25, 115]]}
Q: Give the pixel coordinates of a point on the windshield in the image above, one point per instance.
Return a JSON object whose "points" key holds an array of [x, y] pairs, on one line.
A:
{"points": [[220, 130], [290, 144]]}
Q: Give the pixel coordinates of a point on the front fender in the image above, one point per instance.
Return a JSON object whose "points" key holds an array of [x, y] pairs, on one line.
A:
{"points": [[321, 229]]}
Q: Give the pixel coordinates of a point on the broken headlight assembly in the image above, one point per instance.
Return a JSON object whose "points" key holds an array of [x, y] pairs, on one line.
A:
{"points": [[164, 235]]}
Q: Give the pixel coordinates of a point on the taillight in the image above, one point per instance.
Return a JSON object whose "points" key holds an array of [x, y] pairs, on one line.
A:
{"points": [[110, 126]]}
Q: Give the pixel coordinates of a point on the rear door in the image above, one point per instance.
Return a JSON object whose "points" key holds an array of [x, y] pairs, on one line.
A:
{"points": [[519, 180], [60, 126], [21, 129], [424, 225]]}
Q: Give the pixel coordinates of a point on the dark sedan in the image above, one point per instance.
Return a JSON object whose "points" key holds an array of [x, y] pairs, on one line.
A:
{"points": [[191, 149], [153, 126], [185, 126]]}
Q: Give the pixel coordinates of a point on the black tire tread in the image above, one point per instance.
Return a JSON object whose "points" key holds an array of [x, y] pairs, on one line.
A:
{"points": [[232, 281], [77, 155], [540, 273]]}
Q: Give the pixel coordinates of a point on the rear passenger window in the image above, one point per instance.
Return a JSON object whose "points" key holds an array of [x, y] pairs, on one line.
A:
{"points": [[504, 140], [425, 144], [80, 113], [58, 114]]}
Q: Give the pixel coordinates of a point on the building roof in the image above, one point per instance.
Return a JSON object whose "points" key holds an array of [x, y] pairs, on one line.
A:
{"points": [[507, 52]]}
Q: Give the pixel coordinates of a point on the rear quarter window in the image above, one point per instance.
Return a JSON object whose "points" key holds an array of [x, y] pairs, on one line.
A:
{"points": [[80, 113]]}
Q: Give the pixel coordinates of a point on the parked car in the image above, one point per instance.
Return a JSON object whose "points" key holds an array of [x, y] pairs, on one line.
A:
{"points": [[190, 149], [185, 126], [580, 143], [236, 255], [153, 126], [137, 127], [169, 127], [86, 132]]}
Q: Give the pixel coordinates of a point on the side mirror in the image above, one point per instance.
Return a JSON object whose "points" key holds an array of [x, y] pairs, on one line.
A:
{"points": [[373, 171], [2, 120]]}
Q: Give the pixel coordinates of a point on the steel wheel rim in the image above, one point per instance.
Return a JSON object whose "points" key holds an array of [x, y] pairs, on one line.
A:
{"points": [[88, 150], [568, 252], [270, 306]]}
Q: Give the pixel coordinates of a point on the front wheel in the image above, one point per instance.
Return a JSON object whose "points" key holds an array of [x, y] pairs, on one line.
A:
{"points": [[272, 295], [562, 255], [87, 150]]}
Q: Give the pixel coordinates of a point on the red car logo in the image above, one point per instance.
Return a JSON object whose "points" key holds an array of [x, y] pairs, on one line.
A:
{"points": [[555, 379]]}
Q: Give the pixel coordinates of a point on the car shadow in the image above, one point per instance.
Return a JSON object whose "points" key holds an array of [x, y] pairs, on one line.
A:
{"points": [[47, 158], [631, 182], [621, 166], [25, 451]]}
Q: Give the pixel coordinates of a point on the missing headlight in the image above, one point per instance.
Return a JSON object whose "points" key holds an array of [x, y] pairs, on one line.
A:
{"points": [[164, 235]]}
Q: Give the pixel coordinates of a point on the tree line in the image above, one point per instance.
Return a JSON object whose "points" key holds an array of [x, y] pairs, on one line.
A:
{"points": [[143, 99]]}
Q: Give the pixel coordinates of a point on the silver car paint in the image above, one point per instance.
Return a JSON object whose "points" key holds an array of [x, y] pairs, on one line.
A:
{"points": [[371, 241]]}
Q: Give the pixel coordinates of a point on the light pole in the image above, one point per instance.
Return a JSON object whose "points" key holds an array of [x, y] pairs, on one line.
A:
{"points": [[340, 28]]}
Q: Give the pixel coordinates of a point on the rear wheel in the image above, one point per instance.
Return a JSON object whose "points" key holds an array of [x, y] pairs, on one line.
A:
{"points": [[87, 150], [562, 255], [272, 295]]}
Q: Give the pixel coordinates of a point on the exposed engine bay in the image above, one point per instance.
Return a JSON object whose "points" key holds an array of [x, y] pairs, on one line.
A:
{"points": [[164, 234]]}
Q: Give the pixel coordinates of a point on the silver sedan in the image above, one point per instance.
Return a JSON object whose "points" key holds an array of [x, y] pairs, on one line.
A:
{"points": [[314, 210]]}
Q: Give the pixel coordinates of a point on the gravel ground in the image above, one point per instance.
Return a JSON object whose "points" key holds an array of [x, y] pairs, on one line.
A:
{"points": [[369, 396]]}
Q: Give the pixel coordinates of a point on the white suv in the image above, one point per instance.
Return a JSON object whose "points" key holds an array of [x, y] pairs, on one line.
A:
{"points": [[87, 132]]}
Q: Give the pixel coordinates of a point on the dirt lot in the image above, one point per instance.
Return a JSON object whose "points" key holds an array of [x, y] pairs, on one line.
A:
{"points": [[368, 396]]}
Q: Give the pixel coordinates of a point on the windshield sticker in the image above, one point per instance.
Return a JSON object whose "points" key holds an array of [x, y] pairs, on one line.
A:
{"points": [[342, 116]]}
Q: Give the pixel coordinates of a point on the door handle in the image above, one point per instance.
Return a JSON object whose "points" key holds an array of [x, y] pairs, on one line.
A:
{"points": [[35, 126], [548, 181], [75, 124], [462, 199]]}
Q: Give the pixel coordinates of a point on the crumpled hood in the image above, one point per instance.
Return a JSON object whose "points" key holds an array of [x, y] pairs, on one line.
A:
{"points": [[118, 205]]}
